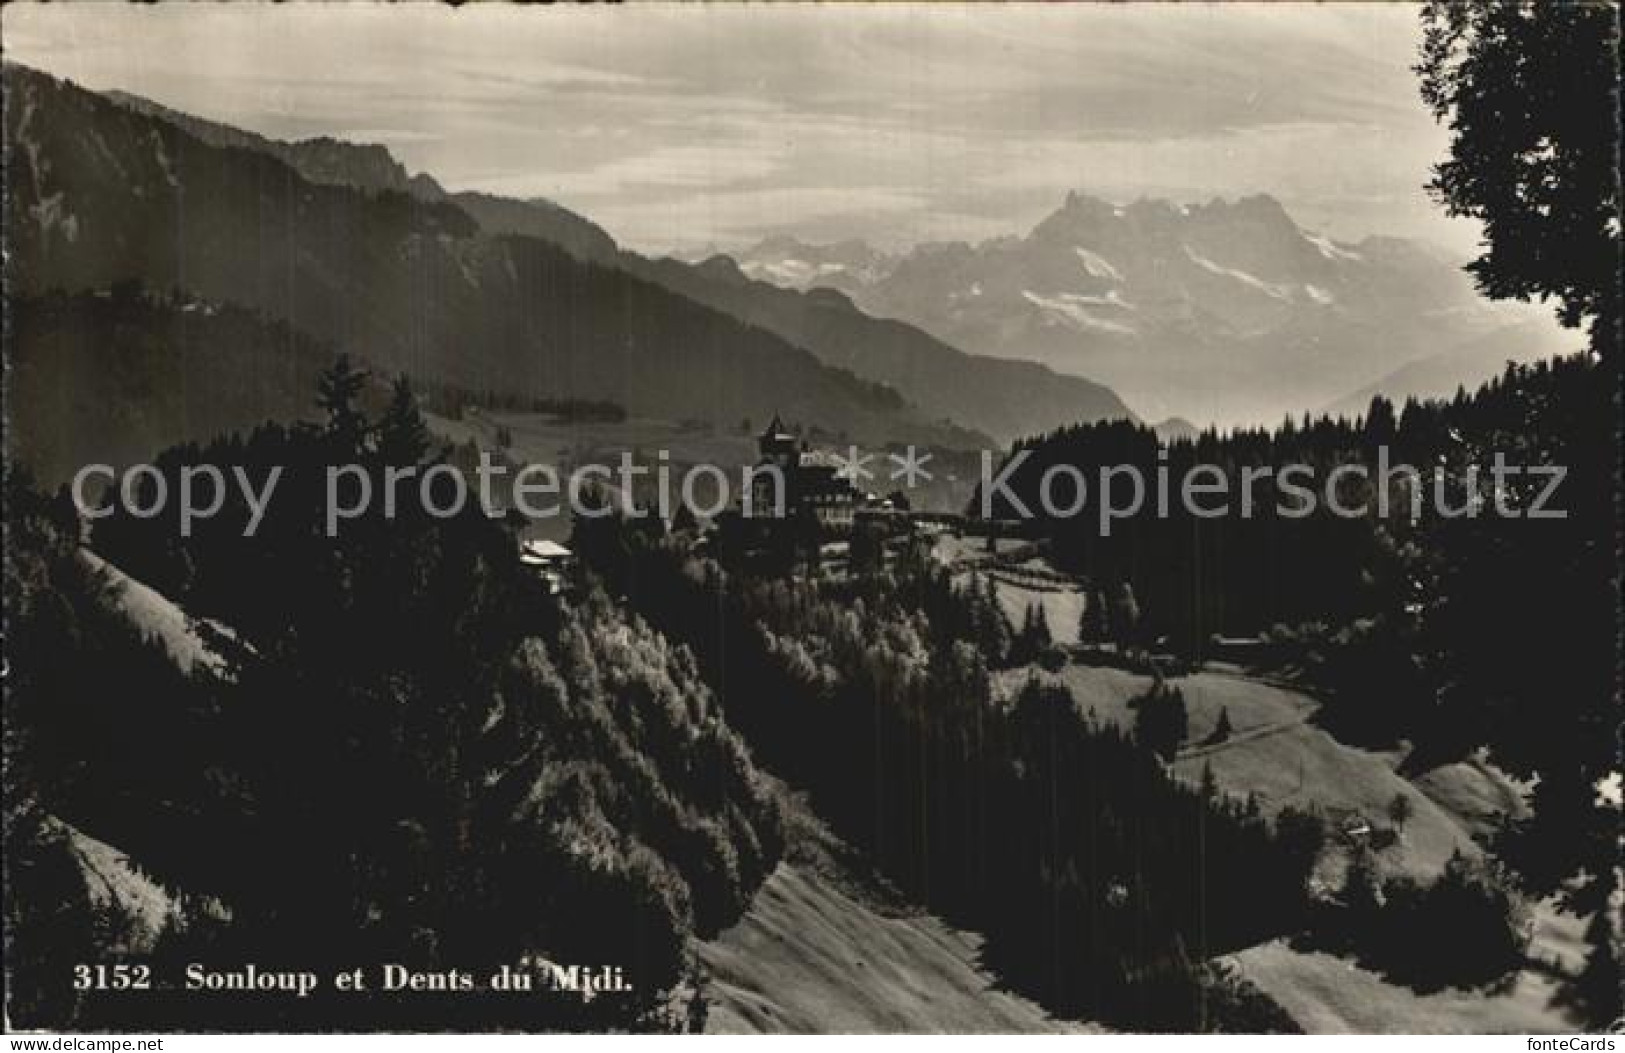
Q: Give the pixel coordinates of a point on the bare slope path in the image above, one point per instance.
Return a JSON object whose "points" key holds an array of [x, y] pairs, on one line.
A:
{"points": [[822, 950]]}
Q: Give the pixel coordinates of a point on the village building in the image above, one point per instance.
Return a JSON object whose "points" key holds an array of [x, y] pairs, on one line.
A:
{"points": [[810, 481], [550, 561]]}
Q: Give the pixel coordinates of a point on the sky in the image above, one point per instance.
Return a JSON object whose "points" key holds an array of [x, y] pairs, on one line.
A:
{"points": [[682, 126]]}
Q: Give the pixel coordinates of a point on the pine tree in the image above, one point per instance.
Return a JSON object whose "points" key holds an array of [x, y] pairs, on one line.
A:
{"points": [[1126, 615], [1360, 888], [403, 438], [1025, 646], [1102, 614], [1400, 810], [1597, 988], [1543, 237], [990, 589], [337, 391], [683, 521], [1162, 721], [1380, 424], [996, 626], [866, 551]]}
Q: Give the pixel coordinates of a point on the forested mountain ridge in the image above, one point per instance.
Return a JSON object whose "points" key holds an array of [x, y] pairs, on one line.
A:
{"points": [[371, 167], [334, 162], [181, 369], [101, 194], [1002, 398]]}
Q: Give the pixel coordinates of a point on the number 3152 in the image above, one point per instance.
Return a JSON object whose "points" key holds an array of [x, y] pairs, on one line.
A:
{"points": [[112, 977]]}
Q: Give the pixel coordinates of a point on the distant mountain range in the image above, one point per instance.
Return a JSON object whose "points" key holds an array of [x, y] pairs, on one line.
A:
{"points": [[1227, 311], [846, 265]]}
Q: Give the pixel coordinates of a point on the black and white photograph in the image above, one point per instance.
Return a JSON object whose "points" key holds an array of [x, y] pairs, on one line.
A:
{"points": [[811, 518]]}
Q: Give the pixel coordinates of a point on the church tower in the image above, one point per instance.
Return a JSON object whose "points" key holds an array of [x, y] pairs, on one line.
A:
{"points": [[777, 445]]}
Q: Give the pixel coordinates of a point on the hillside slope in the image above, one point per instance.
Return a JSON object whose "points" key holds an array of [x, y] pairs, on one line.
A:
{"points": [[195, 644], [113, 884], [1331, 995], [825, 948], [1328, 995], [810, 959], [1278, 754]]}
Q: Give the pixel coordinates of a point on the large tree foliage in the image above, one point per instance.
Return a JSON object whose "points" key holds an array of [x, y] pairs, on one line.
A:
{"points": [[1534, 145], [1529, 93]]}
